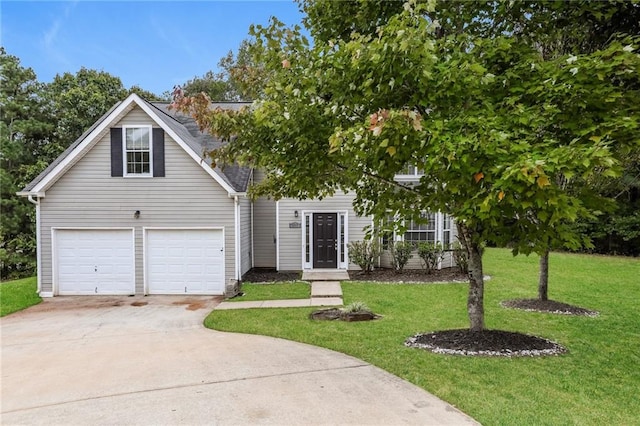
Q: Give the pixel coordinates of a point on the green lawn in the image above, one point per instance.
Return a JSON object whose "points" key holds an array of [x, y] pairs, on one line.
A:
{"points": [[17, 295], [276, 291], [596, 383]]}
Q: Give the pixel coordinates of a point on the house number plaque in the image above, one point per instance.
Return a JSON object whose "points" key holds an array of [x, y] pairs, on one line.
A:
{"points": [[295, 225]]}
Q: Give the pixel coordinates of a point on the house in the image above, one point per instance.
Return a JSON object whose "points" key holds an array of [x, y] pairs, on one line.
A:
{"points": [[134, 207]]}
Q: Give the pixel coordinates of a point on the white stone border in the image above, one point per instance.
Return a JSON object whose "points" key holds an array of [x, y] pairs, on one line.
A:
{"points": [[557, 349]]}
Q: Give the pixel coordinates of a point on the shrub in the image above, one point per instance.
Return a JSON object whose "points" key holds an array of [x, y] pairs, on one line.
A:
{"points": [[355, 307], [431, 255], [460, 256], [364, 254], [400, 254]]}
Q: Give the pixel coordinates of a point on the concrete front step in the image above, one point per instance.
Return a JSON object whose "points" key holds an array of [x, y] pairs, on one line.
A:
{"points": [[325, 275], [326, 289]]}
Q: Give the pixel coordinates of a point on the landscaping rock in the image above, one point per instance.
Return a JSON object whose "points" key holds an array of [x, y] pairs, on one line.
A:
{"points": [[484, 343], [548, 306]]}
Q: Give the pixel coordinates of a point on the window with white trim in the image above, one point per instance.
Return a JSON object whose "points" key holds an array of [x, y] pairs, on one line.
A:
{"points": [[424, 230], [137, 151], [447, 224]]}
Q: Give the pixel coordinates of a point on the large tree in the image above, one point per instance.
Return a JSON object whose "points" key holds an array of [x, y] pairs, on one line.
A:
{"points": [[77, 101], [480, 115], [236, 80], [24, 129], [554, 28]]}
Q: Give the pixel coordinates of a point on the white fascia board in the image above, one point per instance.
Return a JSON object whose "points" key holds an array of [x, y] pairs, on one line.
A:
{"points": [[40, 188], [91, 137]]}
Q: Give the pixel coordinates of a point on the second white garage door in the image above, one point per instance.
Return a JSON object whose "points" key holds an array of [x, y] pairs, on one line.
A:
{"points": [[184, 261]]}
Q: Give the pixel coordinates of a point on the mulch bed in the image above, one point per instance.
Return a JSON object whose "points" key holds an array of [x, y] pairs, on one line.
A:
{"points": [[445, 275], [484, 343], [548, 306], [260, 275], [410, 276]]}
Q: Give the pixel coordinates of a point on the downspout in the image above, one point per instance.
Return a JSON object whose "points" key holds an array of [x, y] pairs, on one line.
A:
{"points": [[237, 237], [38, 250], [253, 261], [277, 235]]}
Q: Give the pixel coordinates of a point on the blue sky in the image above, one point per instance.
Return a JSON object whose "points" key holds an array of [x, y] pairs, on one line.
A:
{"points": [[152, 44]]}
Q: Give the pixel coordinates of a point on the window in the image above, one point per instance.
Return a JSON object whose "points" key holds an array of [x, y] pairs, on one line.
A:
{"points": [[412, 170], [446, 231], [137, 151], [307, 238], [423, 230], [386, 227]]}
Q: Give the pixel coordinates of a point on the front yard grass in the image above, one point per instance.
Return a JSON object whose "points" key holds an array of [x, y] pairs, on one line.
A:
{"points": [[596, 382], [275, 291], [17, 295]]}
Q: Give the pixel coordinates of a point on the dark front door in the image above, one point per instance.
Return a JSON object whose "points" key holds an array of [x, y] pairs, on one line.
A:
{"points": [[325, 240]]}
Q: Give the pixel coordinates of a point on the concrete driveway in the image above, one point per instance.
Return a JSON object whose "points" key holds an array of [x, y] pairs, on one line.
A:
{"points": [[149, 360]]}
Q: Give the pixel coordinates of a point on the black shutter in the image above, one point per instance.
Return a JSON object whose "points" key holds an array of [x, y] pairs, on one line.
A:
{"points": [[116, 152], [158, 152]]}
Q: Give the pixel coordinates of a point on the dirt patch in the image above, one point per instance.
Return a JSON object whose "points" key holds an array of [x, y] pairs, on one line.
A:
{"points": [[139, 303], [193, 304], [484, 343], [68, 303], [548, 306]]}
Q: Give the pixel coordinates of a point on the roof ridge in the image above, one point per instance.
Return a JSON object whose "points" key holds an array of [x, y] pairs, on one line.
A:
{"points": [[162, 111]]}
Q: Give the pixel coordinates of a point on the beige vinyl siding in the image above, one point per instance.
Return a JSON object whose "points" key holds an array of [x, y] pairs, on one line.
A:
{"points": [[291, 244], [87, 196], [264, 229], [245, 235]]}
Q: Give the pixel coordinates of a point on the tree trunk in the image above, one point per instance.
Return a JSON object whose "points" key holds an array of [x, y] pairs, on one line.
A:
{"points": [[543, 280], [475, 301]]}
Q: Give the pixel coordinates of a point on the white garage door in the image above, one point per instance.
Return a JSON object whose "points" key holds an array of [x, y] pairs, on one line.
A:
{"points": [[183, 261], [91, 261]]}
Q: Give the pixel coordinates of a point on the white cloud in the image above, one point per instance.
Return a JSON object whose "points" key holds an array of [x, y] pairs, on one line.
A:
{"points": [[50, 40]]}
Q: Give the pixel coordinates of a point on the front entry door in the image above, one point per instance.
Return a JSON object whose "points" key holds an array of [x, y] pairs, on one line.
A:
{"points": [[325, 240]]}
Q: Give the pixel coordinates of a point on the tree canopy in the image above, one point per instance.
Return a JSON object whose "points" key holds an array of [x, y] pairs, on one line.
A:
{"points": [[487, 115], [232, 83], [24, 129]]}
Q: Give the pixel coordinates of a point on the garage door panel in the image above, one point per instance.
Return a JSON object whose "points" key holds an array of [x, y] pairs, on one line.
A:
{"points": [[180, 261], [92, 261]]}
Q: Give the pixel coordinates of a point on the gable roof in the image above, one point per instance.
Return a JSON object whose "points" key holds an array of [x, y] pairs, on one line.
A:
{"points": [[181, 127]]}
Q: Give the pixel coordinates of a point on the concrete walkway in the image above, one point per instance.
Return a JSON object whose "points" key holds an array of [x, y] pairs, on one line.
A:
{"points": [[325, 291], [149, 361]]}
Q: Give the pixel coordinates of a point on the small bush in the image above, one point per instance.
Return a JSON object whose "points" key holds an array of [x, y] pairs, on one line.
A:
{"points": [[356, 307], [431, 254], [364, 254], [400, 254], [460, 257]]}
